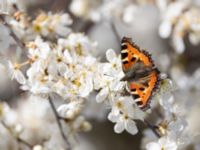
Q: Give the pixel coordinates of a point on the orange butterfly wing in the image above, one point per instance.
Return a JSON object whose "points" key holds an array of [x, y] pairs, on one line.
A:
{"points": [[142, 89], [131, 54]]}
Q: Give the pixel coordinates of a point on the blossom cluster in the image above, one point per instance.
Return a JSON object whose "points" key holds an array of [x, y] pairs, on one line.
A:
{"points": [[108, 10], [69, 69], [180, 18], [172, 126]]}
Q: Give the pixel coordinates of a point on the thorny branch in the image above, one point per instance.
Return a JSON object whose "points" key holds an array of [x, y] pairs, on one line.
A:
{"points": [[20, 140], [58, 120]]}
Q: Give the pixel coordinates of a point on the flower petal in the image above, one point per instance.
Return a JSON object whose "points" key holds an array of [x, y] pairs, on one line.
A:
{"points": [[119, 127], [62, 68], [153, 146], [110, 55], [20, 77], [178, 44], [167, 143], [101, 96], [131, 127], [113, 117], [165, 29]]}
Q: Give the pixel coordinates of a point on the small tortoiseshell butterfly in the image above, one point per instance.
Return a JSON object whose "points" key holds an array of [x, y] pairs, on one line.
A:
{"points": [[140, 72]]}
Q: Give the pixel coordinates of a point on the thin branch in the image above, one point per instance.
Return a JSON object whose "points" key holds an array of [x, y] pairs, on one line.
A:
{"points": [[58, 120], [24, 142], [153, 128], [87, 25], [114, 29], [20, 140], [64, 119], [15, 37]]}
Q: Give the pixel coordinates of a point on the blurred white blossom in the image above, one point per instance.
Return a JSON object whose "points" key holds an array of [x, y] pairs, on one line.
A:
{"points": [[70, 110], [38, 147], [50, 24], [6, 6], [179, 19], [163, 143], [79, 7]]}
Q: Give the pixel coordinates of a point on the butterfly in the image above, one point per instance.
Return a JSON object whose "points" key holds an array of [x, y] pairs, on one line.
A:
{"points": [[140, 73]]}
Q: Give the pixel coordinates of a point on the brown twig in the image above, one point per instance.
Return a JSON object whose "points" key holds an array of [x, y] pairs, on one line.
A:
{"points": [[58, 120], [87, 25], [114, 29], [20, 140], [153, 128]]}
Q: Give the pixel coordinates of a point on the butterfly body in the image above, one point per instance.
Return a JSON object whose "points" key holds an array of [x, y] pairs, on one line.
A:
{"points": [[140, 72]]}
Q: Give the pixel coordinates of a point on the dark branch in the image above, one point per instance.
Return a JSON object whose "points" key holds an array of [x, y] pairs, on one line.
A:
{"points": [[153, 128], [118, 38], [20, 140], [24, 142], [15, 37], [58, 120]]}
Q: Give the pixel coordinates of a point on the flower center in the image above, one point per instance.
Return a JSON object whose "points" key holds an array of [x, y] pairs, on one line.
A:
{"points": [[125, 116], [76, 82], [59, 59], [119, 105]]}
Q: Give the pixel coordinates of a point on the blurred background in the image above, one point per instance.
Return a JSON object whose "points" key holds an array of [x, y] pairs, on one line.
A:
{"points": [[106, 21]]}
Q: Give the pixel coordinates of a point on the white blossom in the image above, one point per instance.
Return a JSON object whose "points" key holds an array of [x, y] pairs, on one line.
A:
{"points": [[7, 114], [16, 73], [123, 122], [6, 6], [130, 14], [180, 18], [79, 7], [110, 74], [123, 113], [70, 110], [163, 143], [49, 24], [80, 124], [38, 147], [173, 11]]}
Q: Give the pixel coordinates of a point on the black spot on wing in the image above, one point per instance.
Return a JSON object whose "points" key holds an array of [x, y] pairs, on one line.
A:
{"points": [[139, 103], [141, 89], [124, 55], [125, 62], [133, 90], [133, 59], [123, 46], [136, 96]]}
